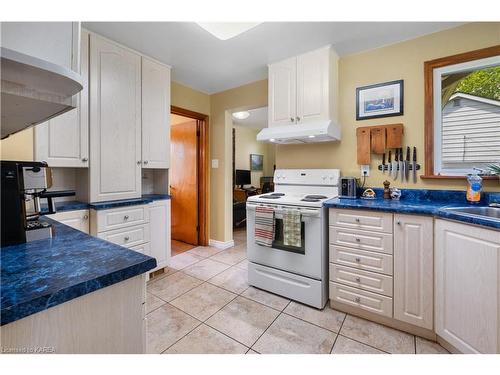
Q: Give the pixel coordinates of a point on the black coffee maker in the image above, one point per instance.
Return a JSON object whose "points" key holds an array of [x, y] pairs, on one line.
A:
{"points": [[23, 184]]}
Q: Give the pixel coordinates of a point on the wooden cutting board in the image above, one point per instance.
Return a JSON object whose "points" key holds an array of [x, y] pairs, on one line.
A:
{"points": [[378, 140], [364, 146], [394, 136]]}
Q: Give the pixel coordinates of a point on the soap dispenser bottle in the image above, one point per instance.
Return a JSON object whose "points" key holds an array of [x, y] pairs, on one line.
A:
{"points": [[474, 187]]}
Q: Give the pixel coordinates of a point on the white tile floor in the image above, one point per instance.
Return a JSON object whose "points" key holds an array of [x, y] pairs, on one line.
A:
{"points": [[203, 304]]}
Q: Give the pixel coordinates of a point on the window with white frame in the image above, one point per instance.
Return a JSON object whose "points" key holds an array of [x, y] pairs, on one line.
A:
{"points": [[466, 116]]}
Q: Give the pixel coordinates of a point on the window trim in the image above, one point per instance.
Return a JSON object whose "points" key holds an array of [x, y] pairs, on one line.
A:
{"points": [[429, 130]]}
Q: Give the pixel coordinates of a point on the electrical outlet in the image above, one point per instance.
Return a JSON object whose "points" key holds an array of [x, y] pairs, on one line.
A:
{"points": [[365, 170]]}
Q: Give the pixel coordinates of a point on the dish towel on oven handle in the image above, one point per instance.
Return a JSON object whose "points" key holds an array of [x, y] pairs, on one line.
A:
{"points": [[264, 225], [292, 228]]}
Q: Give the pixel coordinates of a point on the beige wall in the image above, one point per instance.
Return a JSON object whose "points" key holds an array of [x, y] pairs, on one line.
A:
{"points": [[253, 95], [188, 98], [398, 61], [246, 144]]}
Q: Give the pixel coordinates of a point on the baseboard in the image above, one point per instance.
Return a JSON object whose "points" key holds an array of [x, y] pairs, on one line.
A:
{"points": [[221, 244]]}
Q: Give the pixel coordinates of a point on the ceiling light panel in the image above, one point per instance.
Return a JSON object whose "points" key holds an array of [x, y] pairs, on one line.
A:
{"points": [[227, 30]]}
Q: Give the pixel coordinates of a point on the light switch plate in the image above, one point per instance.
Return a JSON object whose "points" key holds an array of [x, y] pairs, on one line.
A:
{"points": [[215, 163]]}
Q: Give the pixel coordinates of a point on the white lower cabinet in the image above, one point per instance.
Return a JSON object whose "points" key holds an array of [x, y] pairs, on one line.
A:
{"points": [[468, 286], [159, 220], [413, 269], [383, 264], [78, 219], [142, 228]]}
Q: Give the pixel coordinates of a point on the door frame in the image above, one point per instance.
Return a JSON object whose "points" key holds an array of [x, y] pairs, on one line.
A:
{"points": [[203, 178]]}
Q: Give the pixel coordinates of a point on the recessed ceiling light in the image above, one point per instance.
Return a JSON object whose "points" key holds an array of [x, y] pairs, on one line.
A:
{"points": [[227, 30], [272, 140], [311, 136], [241, 115]]}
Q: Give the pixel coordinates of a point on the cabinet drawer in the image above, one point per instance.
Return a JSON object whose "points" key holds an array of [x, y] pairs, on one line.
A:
{"points": [[128, 237], [358, 239], [358, 219], [361, 259], [121, 217], [144, 248], [369, 281], [78, 219], [372, 302]]}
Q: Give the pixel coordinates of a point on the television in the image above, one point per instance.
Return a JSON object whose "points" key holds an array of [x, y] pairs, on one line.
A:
{"points": [[242, 177]]}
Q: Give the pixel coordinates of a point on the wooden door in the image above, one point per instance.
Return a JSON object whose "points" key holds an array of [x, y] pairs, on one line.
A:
{"points": [[155, 114], [115, 121], [282, 92], [64, 140], [313, 86], [413, 270], [184, 181], [468, 286]]}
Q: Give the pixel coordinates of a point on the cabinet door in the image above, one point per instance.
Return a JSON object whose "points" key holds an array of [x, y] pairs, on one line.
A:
{"points": [[78, 219], [313, 86], [282, 92], [159, 219], [115, 121], [155, 115], [413, 270], [64, 140], [468, 287]]}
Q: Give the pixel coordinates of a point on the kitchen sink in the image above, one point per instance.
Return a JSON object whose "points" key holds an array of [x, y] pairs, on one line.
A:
{"points": [[483, 212]]}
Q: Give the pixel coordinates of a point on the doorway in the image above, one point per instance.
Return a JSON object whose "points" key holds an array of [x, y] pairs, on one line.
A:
{"points": [[253, 164], [188, 179]]}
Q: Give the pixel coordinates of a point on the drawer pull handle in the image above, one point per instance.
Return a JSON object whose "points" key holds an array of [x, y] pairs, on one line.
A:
{"points": [[358, 260], [398, 223], [126, 238], [358, 240], [85, 217], [126, 217], [357, 300], [358, 279], [357, 220]]}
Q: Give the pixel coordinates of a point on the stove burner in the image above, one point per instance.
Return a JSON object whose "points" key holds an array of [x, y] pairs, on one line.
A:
{"points": [[315, 197], [270, 196], [309, 200], [277, 194]]}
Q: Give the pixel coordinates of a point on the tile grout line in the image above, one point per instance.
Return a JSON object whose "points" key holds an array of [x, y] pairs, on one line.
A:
{"points": [[338, 333], [364, 343], [262, 334]]}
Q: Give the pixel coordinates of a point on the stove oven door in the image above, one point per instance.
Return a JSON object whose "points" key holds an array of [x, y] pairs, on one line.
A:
{"points": [[306, 260]]}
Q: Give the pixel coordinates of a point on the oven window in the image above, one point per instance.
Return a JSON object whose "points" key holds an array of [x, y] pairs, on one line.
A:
{"points": [[279, 243]]}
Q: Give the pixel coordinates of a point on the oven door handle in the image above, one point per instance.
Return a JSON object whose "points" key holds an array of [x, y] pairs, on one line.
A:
{"points": [[304, 213]]}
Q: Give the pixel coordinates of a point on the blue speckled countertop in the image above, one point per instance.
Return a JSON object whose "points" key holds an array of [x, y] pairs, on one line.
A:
{"points": [[423, 202], [77, 205], [41, 274]]}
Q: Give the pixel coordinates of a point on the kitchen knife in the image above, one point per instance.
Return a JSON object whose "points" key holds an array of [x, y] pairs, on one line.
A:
{"points": [[401, 164], [407, 164], [383, 163], [395, 166], [414, 165], [389, 164]]}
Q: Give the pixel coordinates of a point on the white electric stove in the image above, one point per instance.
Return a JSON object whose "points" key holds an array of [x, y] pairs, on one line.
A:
{"points": [[299, 273]]}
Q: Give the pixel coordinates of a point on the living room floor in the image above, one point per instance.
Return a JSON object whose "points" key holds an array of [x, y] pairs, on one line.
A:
{"points": [[203, 304]]}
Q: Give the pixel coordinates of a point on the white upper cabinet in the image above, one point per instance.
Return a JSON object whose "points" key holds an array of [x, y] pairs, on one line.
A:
{"points": [[468, 286], [155, 114], [282, 92], [303, 89], [413, 270], [64, 140], [115, 121], [56, 42]]}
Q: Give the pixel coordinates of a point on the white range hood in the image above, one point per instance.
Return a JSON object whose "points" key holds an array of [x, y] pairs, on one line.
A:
{"points": [[320, 131], [33, 90]]}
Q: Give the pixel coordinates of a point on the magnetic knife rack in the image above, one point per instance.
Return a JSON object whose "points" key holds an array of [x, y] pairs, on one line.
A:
{"points": [[386, 167]]}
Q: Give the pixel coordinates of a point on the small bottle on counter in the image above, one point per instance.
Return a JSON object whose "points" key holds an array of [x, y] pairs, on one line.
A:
{"points": [[387, 190], [474, 187]]}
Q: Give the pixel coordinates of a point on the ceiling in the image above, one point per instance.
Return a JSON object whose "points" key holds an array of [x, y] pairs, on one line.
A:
{"points": [[203, 62], [256, 120]]}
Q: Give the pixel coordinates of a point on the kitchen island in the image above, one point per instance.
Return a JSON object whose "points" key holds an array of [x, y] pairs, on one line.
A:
{"points": [[72, 293]]}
